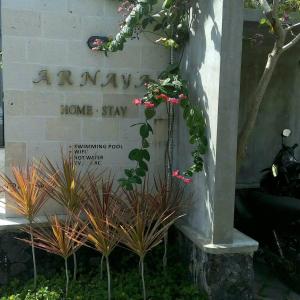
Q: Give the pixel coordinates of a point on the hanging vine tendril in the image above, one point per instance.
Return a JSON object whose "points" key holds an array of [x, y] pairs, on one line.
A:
{"points": [[169, 22]]}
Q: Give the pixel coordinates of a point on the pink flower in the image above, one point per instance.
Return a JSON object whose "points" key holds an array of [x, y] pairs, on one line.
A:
{"points": [[137, 101], [148, 104], [187, 180], [175, 173], [174, 100], [182, 97], [162, 96]]}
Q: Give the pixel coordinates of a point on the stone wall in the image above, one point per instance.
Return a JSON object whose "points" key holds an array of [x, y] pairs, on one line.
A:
{"points": [[46, 39], [16, 259]]}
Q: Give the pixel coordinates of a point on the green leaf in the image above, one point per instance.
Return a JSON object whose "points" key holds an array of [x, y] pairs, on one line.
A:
{"points": [[157, 27], [202, 148], [143, 165], [146, 155], [263, 21], [167, 4], [128, 172], [135, 154], [135, 180], [140, 172], [150, 113], [128, 186], [138, 179], [150, 128], [166, 81], [144, 131]]}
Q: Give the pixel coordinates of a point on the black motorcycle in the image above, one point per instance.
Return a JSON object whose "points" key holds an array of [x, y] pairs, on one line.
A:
{"points": [[283, 177], [271, 214]]}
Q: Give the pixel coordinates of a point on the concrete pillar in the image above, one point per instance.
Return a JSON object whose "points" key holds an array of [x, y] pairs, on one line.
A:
{"points": [[212, 67], [212, 64]]}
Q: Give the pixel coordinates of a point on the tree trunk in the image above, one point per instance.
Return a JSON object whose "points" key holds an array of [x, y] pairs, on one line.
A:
{"points": [[256, 100]]}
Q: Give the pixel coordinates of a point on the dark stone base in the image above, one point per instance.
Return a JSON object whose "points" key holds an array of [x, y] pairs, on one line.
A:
{"points": [[16, 259], [221, 276]]}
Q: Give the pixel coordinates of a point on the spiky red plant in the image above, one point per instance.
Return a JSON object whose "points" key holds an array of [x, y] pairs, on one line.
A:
{"points": [[26, 189], [142, 228], [66, 184], [101, 210], [63, 239], [168, 199]]}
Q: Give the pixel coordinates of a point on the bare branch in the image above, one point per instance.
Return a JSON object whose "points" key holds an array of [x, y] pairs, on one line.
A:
{"points": [[291, 43], [266, 7]]}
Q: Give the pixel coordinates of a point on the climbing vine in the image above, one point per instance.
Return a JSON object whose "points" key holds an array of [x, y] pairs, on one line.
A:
{"points": [[170, 89], [169, 22]]}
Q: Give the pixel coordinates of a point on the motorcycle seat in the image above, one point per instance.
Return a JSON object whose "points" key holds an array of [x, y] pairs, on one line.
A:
{"points": [[267, 208]]}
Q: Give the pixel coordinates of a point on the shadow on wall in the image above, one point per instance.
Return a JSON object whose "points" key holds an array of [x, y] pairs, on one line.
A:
{"points": [[198, 67], [280, 108]]}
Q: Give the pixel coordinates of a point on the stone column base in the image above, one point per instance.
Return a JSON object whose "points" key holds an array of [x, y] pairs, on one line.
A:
{"points": [[223, 276]]}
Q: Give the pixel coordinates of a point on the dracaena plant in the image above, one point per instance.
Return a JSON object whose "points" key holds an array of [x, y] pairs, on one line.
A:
{"points": [[65, 184], [168, 199], [26, 189], [101, 210], [63, 239], [142, 228]]}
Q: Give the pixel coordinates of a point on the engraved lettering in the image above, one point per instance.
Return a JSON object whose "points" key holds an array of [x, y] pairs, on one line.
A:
{"points": [[89, 110], [84, 110], [65, 78], [126, 81], [117, 112], [111, 79], [123, 110], [43, 76], [87, 77]]}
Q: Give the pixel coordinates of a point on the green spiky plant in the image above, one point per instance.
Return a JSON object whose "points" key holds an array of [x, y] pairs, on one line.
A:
{"points": [[142, 228], [63, 239], [25, 188], [65, 184]]}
